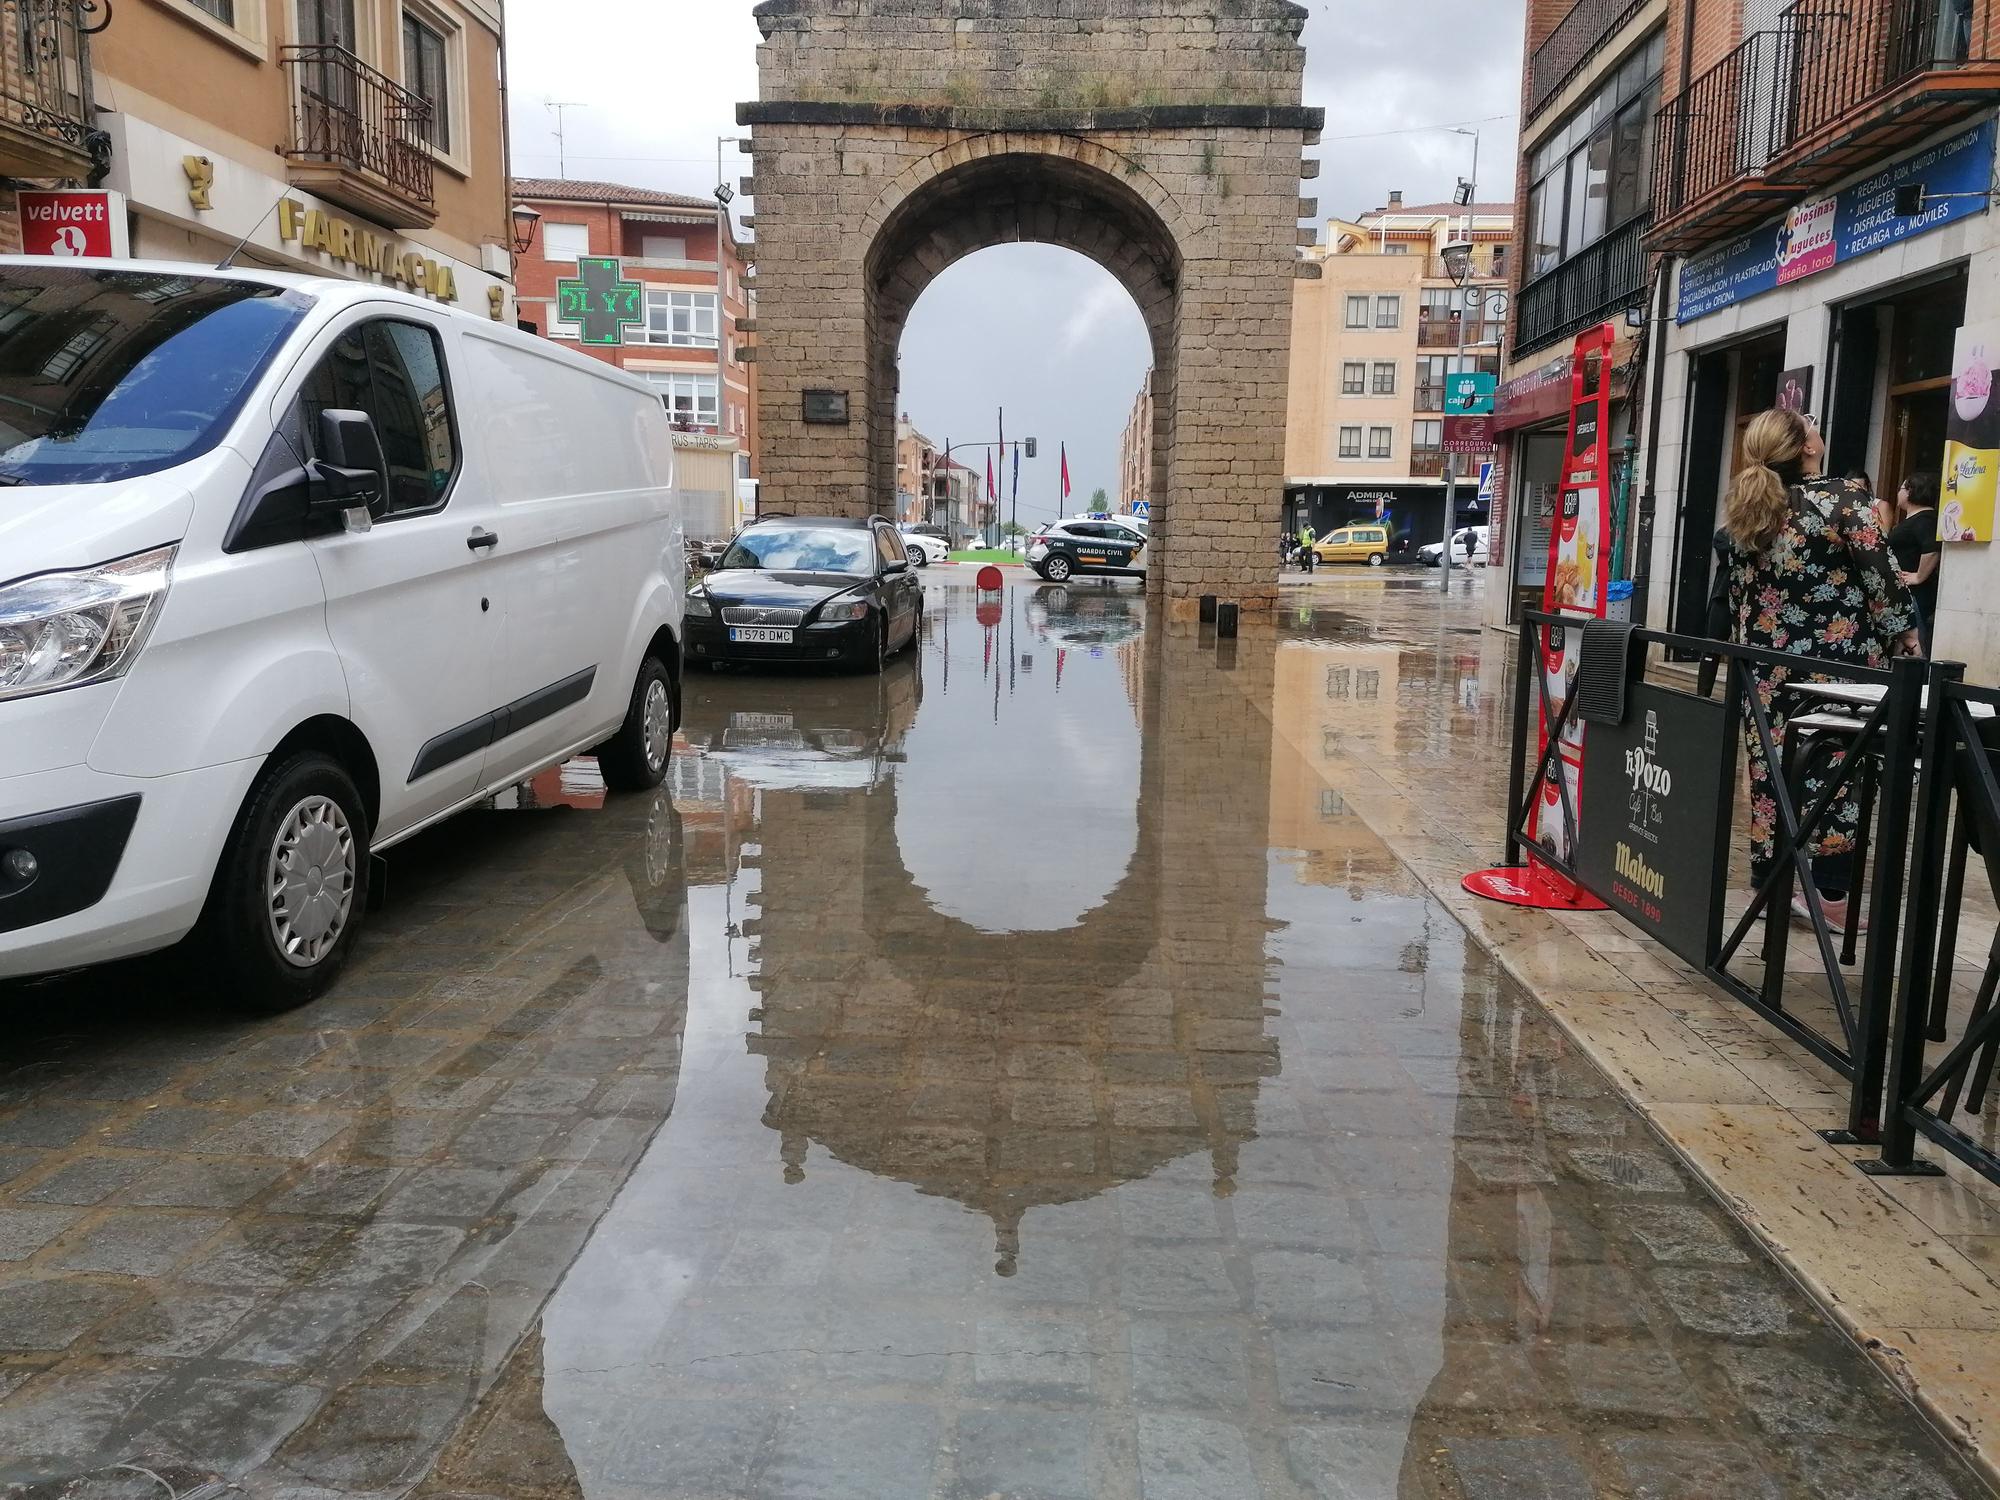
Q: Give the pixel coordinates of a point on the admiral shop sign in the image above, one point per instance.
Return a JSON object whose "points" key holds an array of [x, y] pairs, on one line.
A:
{"points": [[1821, 233]]}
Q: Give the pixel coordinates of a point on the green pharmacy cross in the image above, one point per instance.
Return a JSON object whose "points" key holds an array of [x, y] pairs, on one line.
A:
{"points": [[599, 301]]}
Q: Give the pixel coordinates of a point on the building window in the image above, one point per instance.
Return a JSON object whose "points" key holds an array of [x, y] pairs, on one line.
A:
{"points": [[565, 241], [1350, 442], [1353, 378], [1388, 312], [1593, 173], [1427, 434], [1357, 311], [689, 399], [1384, 383], [223, 10], [685, 319], [1500, 260], [664, 247], [425, 75], [1380, 441], [1395, 247]]}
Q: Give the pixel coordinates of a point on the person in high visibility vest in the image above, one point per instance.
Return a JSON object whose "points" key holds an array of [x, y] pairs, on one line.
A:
{"points": [[1308, 558]]}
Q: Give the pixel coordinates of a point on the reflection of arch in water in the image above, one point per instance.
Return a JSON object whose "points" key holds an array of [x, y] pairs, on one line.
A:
{"points": [[1009, 1071], [1041, 862]]}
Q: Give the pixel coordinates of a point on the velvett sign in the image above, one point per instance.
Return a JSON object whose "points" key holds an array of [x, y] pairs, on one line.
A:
{"points": [[1650, 832], [86, 221]]}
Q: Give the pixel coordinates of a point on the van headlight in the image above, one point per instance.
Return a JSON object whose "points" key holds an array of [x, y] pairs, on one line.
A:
{"points": [[63, 630]]}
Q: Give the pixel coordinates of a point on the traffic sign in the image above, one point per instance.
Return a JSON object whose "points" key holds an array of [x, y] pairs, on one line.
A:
{"points": [[1486, 483], [1470, 394], [600, 301]]}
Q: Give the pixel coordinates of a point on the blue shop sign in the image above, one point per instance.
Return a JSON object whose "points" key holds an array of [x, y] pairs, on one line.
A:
{"points": [[1825, 232]]}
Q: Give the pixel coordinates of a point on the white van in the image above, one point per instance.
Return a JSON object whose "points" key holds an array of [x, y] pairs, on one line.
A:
{"points": [[291, 568]]}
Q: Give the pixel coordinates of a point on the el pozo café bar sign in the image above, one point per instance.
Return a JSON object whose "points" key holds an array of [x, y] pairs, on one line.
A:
{"points": [[351, 244]]}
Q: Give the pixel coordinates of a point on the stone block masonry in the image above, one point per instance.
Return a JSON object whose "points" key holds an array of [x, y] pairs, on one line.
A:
{"points": [[1161, 138]]}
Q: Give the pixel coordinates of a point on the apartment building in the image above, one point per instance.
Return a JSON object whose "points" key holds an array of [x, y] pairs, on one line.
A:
{"points": [[690, 341], [933, 486], [1781, 202], [1135, 450], [354, 138], [1591, 94], [1373, 337]]}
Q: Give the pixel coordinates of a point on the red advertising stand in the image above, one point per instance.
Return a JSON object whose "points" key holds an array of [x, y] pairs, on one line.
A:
{"points": [[1579, 578]]}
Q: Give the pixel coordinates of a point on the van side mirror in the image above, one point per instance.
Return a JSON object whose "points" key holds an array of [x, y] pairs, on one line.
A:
{"points": [[352, 472]]}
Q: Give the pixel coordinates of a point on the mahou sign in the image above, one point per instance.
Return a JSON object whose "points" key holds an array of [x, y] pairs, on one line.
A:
{"points": [[83, 221]]}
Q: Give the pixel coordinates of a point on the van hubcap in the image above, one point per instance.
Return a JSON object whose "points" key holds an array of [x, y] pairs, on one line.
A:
{"points": [[310, 881], [658, 720]]}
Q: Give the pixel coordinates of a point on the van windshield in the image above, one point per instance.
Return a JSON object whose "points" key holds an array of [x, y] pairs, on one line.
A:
{"points": [[105, 375]]}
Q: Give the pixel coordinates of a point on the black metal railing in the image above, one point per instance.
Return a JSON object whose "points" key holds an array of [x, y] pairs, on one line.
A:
{"points": [[45, 74], [1822, 68], [1944, 1098], [1578, 37], [1597, 282], [347, 114], [1426, 463], [1722, 128]]}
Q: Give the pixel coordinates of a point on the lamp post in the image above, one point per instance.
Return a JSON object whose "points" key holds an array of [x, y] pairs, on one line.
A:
{"points": [[1457, 257], [525, 221]]}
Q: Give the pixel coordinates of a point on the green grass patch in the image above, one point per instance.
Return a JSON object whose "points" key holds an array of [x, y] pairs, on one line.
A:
{"points": [[986, 555]]}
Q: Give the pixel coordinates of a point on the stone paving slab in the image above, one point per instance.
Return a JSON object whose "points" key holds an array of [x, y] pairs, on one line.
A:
{"points": [[1908, 1267]]}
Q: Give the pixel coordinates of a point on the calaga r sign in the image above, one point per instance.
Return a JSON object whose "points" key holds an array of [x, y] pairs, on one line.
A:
{"points": [[73, 222]]}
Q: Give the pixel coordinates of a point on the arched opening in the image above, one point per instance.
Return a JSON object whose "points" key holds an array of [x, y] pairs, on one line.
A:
{"points": [[1016, 197]]}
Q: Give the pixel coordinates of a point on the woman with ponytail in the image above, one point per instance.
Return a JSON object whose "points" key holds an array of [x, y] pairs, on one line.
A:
{"points": [[1810, 573]]}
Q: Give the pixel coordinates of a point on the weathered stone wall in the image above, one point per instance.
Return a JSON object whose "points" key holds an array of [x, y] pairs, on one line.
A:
{"points": [[1032, 54], [897, 136]]}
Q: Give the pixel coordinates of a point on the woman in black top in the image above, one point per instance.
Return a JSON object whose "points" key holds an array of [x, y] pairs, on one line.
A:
{"points": [[1918, 550]]}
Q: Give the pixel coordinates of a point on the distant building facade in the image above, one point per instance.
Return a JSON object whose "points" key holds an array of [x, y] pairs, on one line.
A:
{"points": [[1135, 449], [1374, 336]]}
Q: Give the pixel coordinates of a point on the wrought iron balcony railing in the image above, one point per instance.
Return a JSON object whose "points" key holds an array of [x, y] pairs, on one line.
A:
{"points": [[1837, 84], [350, 118], [1598, 282], [1569, 48], [47, 115]]}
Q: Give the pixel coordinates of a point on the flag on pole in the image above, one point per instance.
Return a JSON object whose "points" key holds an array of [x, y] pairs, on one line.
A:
{"points": [[991, 493], [1065, 472]]}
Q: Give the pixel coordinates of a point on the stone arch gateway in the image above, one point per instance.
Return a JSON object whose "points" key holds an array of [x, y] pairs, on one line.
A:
{"points": [[1161, 138]]}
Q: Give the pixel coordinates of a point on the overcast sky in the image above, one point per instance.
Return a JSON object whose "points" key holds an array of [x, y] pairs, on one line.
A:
{"points": [[1038, 330]]}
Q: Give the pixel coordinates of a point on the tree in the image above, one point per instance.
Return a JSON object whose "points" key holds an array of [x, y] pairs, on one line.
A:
{"points": [[1013, 528], [1099, 500]]}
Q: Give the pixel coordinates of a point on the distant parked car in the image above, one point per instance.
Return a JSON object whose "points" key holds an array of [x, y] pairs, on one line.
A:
{"points": [[1468, 546], [1355, 544], [924, 544], [1068, 548]]}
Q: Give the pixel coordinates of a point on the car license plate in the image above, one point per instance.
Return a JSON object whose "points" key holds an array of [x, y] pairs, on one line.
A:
{"points": [[760, 635], [762, 721]]}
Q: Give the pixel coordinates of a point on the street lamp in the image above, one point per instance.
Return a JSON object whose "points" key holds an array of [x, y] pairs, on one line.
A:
{"points": [[724, 232], [525, 220], [1457, 257]]}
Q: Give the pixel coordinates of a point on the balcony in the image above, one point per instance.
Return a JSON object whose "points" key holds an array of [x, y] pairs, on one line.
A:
{"points": [[1598, 282], [47, 117], [1838, 86], [359, 138], [1578, 37], [1429, 398], [1426, 463]]}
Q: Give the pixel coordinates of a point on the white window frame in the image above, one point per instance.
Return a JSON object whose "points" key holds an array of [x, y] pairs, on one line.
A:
{"points": [[1392, 302], [702, 391], [246, 33], [563, 260], [1344, 448], [1362, 298], [699, 306]]}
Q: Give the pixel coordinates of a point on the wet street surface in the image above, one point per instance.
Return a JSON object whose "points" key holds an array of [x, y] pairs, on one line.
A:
{"points": [[1018, 1075]]}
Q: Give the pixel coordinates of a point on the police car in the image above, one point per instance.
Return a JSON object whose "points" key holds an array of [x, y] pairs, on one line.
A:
{"points": [[1067, 548]]}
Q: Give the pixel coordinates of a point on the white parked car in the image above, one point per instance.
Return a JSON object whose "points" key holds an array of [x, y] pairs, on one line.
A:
{"points": [[923, 544], [291, 568], [1468, 546]]}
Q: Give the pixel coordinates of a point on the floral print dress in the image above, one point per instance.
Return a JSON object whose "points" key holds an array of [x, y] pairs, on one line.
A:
{"points": [[1827, 587]]}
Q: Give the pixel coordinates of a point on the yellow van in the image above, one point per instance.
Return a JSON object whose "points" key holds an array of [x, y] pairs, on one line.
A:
{"points": [[1369, 544]]}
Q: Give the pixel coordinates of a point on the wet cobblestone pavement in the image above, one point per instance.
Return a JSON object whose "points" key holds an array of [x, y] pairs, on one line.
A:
{"points": [[1018, 1076]]}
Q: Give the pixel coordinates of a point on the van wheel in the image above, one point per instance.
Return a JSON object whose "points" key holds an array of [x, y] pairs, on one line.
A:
{"points": [[1375, 559], [291, 888], [635, 758]]}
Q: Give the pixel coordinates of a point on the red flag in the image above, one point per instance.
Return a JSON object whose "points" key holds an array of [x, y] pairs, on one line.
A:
{"points": [[991, 493], [1065, 467]]}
